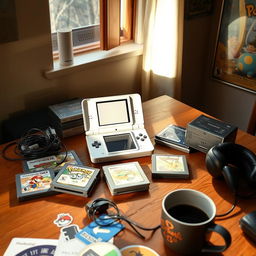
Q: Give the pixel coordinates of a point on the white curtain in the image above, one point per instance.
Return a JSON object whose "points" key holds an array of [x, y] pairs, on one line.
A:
{"points": [[160, 27]]}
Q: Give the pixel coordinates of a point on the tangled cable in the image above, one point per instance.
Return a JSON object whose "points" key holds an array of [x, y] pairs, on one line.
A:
{"points": [[99, 206], [36, 143]]}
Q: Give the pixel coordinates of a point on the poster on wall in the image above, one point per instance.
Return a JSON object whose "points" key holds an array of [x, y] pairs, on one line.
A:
{"points": [[235, 53]]}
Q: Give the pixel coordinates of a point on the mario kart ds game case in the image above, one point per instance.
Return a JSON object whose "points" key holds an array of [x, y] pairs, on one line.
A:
{"points": [[36, 184], [76, 179]]}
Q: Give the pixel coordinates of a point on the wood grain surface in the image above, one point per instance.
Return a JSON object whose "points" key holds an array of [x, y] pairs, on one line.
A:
{"points": [[34, 218]]}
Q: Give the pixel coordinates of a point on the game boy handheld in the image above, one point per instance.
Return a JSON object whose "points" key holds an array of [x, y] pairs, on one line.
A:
{"points": [[114, 128]]}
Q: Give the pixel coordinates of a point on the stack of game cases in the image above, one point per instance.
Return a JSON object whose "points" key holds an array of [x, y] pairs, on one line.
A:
{"points": [[66, 118]]}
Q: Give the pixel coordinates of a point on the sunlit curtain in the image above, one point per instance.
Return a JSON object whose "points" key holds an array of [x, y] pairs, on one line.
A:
{"points": [[162, 39]]}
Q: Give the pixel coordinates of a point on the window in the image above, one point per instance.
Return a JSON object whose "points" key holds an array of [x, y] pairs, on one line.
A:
{"points": [[95, 23]]}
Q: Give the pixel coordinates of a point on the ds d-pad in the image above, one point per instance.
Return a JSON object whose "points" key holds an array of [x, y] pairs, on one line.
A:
{"points": [[96, 144]]}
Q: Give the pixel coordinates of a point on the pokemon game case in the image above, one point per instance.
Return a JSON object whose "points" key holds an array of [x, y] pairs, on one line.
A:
{"points": [[76, 179]]}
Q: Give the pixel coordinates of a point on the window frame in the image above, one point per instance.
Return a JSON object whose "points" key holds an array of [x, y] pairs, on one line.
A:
{"points": [[109, 29]]}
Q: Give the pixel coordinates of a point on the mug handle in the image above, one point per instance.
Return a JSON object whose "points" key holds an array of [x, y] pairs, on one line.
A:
{"points": [[218, 248]]}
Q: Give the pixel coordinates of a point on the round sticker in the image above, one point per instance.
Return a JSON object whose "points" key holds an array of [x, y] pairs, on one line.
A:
{"points": [[138, 250], [101, 249]]}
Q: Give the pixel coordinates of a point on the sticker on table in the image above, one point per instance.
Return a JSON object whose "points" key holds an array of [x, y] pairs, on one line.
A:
{"points": [[69, 232], [63, 220], [21, 246], [138, 250], [96, 233], [101, 249]]}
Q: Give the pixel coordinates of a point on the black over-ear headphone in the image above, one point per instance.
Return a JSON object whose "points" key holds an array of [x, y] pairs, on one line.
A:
{"points": [[232, 161]]}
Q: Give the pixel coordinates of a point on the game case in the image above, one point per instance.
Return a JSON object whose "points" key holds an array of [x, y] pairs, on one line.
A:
{"points": [[169, 166], [67, 111], [125, 178], [35, 184], [51, 162], [76, 179], [173, 136], [67, 125], [71, 131], [174, 146]]}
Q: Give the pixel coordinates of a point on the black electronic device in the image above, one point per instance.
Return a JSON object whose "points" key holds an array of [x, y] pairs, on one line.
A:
{"points": [[235, 163], [204, 132], [248, 225]]}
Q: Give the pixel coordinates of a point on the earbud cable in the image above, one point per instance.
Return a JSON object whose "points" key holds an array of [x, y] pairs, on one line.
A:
{"points": [[230, 210], [119, 216]]}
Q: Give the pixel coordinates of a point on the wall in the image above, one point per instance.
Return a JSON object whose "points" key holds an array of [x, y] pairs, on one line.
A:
{"points": [[195, 49], [221, 100], [23, 86], [199, 90]]}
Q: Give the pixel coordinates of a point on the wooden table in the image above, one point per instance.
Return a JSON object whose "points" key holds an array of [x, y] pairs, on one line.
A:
{"points": [[34, 218]]}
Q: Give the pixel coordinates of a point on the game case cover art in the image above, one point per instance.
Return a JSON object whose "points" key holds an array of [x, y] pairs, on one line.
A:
{"points": [[125, 174], [67, 111], [169, 163], [35, 181], [174, 134], [51, 162], [75, 176]]}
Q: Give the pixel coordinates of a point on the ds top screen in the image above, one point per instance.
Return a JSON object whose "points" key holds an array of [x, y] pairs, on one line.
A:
{"points": [[113, 112]]}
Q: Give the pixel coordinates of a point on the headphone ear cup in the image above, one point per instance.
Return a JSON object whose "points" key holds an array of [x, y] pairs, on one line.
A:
{"points": [[215, 161], [230, 174]]}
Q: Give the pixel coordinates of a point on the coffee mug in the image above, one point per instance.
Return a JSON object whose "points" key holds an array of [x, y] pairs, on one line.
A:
{"points": [[187, 219]]}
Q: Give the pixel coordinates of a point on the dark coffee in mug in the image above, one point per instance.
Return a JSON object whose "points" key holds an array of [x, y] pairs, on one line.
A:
{"points": [[188, 213], [187, 216]]}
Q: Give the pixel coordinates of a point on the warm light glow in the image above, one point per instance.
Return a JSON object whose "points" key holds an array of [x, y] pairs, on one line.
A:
{"points": [[164, 40], [123, 4]]}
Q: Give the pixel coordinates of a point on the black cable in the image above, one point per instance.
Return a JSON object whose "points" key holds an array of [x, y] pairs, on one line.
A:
{"points": [[251, 195], [230, 210], [36, 143], [101, 205]]}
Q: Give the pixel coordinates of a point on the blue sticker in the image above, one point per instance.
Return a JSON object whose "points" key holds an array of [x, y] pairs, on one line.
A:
{"points": [[95, 233]]}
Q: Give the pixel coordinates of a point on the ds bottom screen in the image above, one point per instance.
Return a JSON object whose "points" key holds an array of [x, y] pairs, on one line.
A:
{"points": [[119, 142]]}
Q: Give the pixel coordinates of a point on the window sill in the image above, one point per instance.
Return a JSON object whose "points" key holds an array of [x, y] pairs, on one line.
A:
{"points": [[90, 59]]}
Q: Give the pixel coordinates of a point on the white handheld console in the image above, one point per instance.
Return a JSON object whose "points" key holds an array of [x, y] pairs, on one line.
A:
{"points": [[114, 128]]}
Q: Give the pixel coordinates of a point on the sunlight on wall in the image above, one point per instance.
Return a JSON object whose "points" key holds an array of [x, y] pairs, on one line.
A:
{"points": [[163, 56]]}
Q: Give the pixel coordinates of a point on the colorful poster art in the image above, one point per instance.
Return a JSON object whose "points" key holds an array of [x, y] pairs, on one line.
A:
{"points": [[235, 55]]}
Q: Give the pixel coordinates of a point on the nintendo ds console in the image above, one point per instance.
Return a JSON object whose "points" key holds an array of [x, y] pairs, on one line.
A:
{"points": [[114, 128]]}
